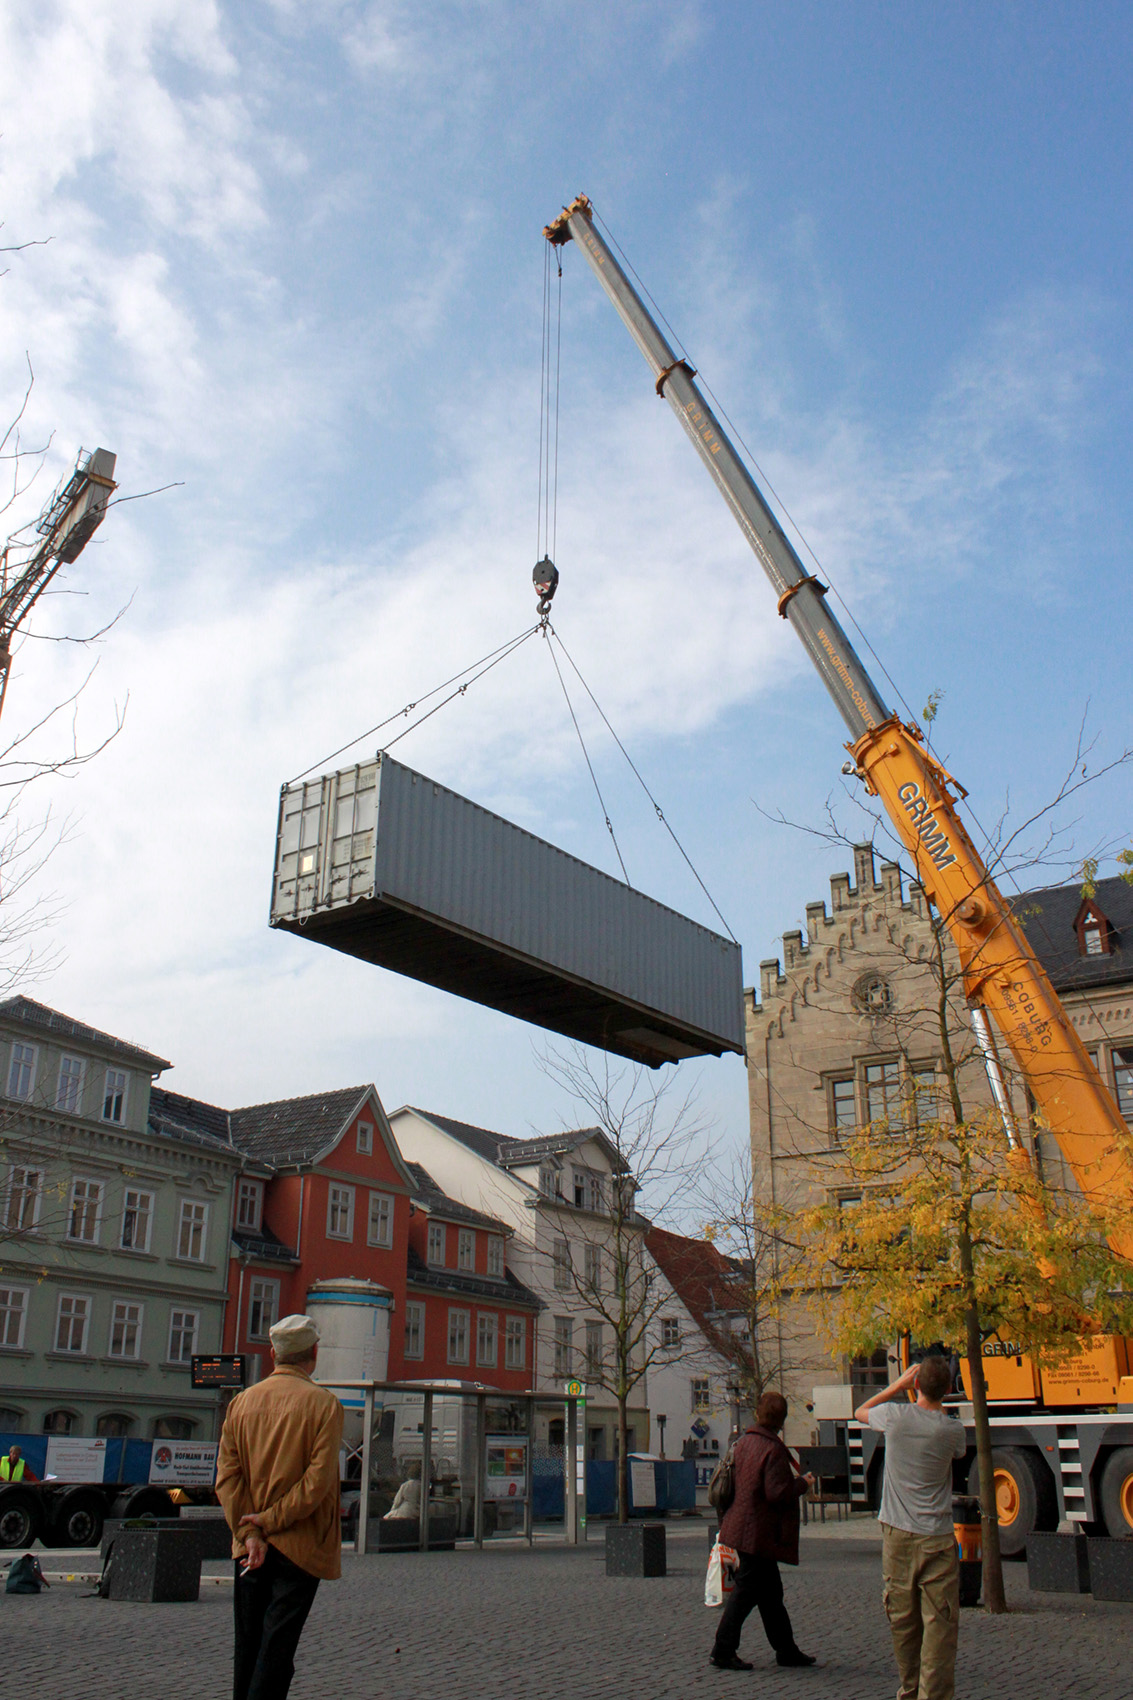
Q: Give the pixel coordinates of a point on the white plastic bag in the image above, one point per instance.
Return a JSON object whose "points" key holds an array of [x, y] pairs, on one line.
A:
{"points": [[719, 1580]]}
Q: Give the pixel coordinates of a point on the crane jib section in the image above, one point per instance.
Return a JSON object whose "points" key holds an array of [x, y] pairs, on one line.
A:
{"points": [[1001, 972]]}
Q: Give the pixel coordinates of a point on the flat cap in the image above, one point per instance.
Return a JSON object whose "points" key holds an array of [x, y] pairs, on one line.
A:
{"points": [[293, 1335]]}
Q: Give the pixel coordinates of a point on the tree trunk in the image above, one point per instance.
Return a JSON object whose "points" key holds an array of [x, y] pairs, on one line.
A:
{"points": [[995, 1599], [623, 1453]]}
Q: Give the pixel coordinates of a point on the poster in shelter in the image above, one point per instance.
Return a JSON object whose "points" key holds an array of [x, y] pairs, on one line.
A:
{"points": [[506, 1474], [643, 1484], [183, 1463]]}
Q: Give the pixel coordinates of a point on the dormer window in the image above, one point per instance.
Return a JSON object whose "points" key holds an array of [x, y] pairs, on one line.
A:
{"points": [[1095, 935]]}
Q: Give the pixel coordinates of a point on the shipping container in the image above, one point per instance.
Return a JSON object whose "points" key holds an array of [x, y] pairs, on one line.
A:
{"points": [[384, 864]]}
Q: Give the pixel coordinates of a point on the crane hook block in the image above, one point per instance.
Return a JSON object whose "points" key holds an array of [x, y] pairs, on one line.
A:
{"points": [[545, 578]]}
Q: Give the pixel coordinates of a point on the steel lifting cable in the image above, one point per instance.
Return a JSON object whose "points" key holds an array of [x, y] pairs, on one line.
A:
{"points": [[492, 659], [657, 809], [548, 631]]}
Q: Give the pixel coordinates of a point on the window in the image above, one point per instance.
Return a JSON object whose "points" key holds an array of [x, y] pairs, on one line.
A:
{"points": [[414, 1331], [126, 1330], [11, 1420], [883, 1092], [516, 1357], [86, 1211], [71, 1323], [250, 1205], [486, 1326], [380, 1230], [1123, 1082], [562, 1266], [114, 1095], [13, 1311], [466, 1249], [263, 1305], [137, 1215], [587, 1190], [871, 1371], [593, 1256], [436, 1246], [458, 1336], [191, 1238], [701, 1394], [173, 1428], [69, 1092], [926, 1101], [1092, 934], [21, 1072], [340, 1213], [551, 1182], [670, 1332], [182, 1337], [25, 1189], [495, 1257], [843, 1110], [115, 1425], [594, 1350], [59, 1422], [564, 1351], [364, 1138]]}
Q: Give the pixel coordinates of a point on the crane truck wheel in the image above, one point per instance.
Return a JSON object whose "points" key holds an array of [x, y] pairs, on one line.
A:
{"points": [[1024, 1497], [1117, 1492], [144, 1502], [76, 1521], [19, 1517]]}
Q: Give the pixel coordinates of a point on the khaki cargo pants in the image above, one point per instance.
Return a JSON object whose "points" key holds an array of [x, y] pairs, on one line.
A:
{"points": [[921, 1578]]}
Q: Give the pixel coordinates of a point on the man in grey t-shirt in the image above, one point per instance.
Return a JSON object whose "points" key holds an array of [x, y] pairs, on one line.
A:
{"points": [[920, 1565]]}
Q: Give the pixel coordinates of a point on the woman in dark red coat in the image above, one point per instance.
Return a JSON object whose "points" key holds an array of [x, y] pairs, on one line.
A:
{"points": [[762, 1523]]}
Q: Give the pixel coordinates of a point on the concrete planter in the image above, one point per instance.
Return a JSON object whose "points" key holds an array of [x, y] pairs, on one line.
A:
{"points": [[212, 1536], [155, 1564], [1058, 1564], [1111, 1568], [635, 1549]]}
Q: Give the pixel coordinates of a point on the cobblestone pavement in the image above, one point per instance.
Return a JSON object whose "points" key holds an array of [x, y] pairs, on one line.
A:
{"points": [[548, 1623]]}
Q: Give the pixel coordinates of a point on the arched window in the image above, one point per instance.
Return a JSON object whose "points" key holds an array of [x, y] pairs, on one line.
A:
{"points": [[60, 1422], [173, 1428], [11, 1420], [114, 1424]]}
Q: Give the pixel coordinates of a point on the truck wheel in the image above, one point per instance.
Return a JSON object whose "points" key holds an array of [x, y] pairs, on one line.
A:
{"points": [[1024, 1497], [1117, 1492], [20, 1518], [145, 1502], [76, 1521]]}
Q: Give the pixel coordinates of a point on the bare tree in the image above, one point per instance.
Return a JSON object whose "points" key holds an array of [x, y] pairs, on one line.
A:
{"points": [[654, 1136]]}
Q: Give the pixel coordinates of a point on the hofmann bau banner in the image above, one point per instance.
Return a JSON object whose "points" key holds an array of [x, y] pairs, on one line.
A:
{"points": [[183, 1463]]}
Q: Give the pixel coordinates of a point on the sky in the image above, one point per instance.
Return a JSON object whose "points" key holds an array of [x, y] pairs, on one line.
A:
{"points": [[289, 259]]}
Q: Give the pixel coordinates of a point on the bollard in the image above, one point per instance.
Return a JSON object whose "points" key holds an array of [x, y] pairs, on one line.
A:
{"points": [[969, 1543]]}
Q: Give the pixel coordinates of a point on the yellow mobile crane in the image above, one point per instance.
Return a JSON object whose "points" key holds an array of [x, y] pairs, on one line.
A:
{"points": [[1004, 981]]}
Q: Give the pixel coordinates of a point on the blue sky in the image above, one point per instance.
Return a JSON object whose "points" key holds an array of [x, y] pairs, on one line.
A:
{"points": [[296, 262]]}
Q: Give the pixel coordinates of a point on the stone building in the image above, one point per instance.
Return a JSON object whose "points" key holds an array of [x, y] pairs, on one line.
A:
{"points": [[845, 1029]]}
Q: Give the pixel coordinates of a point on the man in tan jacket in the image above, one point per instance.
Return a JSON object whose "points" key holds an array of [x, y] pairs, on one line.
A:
{"points": [[277, 1478]]}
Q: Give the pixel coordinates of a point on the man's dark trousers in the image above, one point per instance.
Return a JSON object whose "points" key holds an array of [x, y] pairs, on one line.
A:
{"points": [[271, 1606], [757, 1583]]}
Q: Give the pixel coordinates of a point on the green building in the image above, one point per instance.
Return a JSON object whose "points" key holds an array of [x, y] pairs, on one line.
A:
{"points": [[114, 1238]]}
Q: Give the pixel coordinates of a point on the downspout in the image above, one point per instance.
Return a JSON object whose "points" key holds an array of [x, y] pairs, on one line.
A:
{"points": [[243, 1262], [299, 1229]]}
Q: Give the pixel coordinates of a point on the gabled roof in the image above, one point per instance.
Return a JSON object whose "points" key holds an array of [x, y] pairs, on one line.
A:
{"points": [[293, 1131], [701, 1276], [27, 1013], [1047, 917], [509, 1291], [482, 1140], [179, 1117], [434, 1202], [519, 1151]]}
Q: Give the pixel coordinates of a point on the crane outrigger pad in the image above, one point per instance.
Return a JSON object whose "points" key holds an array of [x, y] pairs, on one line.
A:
{"points": [[383, 864]]}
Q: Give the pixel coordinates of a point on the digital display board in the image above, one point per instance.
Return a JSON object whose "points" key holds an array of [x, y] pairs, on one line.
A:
{"points": [[224, 1369]]}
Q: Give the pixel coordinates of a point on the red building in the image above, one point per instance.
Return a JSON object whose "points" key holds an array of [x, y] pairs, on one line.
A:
{"points": [[328, 1218]]}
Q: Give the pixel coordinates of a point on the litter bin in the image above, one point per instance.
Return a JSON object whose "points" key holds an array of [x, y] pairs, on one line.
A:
{"points": [[969, 1542]]}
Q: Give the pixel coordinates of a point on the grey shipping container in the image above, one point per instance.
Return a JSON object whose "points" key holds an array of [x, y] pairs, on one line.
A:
{"points": [[381, 863]]}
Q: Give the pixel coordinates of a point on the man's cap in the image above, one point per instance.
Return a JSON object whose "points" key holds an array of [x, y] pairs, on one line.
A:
{"points": [[293, 1335]]}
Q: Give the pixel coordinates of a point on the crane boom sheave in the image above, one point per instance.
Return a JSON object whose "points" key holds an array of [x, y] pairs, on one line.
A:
{"points": [[1001, 972]]}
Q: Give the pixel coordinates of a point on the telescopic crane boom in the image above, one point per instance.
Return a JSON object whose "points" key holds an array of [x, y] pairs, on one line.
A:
{"points": [[1002, 975]]}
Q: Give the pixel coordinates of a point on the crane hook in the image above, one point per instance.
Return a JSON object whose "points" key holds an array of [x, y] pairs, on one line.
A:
{"points": [[545, 578]]}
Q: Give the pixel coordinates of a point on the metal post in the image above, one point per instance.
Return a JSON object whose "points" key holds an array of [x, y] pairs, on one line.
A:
{"points": [[364, 1498], [426, 1469], [529, 1477], [580, 1465], [481, 1461], [570, 1469]]}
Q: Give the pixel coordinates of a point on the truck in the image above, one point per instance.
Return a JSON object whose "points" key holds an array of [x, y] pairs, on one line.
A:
{"points": [[81, 1483], [1068, 1464]]}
